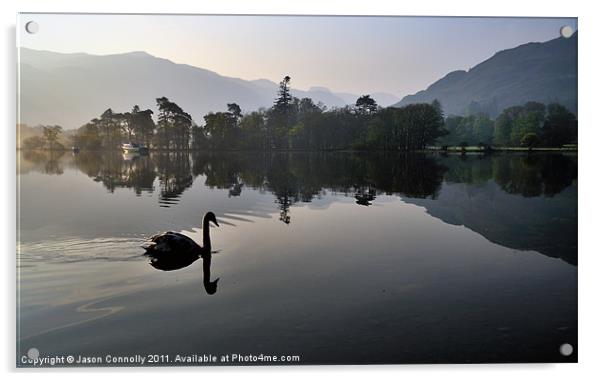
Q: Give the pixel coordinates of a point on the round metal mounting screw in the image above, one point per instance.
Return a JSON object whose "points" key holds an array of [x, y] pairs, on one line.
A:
{"points": [[566, 349], [33, 353], [32, 27], [566, 31]]}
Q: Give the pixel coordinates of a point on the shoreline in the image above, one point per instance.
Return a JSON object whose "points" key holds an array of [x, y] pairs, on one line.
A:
{"points": [[428, 149]]}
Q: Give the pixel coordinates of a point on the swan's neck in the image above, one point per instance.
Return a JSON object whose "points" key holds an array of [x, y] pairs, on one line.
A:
{"points": [[206, 238]]}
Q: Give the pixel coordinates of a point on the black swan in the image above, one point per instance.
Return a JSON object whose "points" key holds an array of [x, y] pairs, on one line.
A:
{"points": [[173, 243], [172, 251]]}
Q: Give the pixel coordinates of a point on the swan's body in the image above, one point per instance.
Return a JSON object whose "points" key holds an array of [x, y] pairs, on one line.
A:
{"points": [[176, 244], [172, 243]]}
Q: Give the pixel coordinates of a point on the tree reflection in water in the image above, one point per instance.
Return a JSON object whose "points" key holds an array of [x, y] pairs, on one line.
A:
{"points": [[295, 177], [303, 177]]}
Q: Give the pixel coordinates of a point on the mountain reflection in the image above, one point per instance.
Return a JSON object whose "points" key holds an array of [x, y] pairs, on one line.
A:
{"points": [[524, 202], [294, 178]]}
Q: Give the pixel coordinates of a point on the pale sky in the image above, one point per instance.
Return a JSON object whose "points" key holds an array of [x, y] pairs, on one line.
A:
{"points": [[398, 55]]}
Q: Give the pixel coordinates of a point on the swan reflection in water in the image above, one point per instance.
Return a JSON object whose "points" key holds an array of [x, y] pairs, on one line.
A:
{"points": [[172, 251]]}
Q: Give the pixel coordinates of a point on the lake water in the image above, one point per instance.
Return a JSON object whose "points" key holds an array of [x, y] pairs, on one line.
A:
{"points": [[336, 258]]}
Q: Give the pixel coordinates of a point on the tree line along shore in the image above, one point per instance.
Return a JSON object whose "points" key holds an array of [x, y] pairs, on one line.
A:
{"points": [[300, 124]]}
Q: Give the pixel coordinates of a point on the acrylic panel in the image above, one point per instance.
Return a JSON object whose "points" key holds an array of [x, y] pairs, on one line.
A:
{"points": [[292, 190]]}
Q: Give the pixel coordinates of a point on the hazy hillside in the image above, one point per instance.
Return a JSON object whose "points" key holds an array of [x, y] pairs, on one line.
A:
{"points": [[70, 89], [543, 72], [382, 99], [24, 132]]}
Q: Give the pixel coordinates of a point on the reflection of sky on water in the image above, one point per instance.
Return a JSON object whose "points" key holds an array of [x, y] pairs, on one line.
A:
{"points": [[412, 270]]}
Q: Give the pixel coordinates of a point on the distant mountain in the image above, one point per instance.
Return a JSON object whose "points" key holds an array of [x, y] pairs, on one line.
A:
{"points": [[544, 72], [71, 89], [382, 99]]}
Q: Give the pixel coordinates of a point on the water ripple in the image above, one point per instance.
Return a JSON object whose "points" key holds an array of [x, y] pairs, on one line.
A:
{"points": [[74, 249]]}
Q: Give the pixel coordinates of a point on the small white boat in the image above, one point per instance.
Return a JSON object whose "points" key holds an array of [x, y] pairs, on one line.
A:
{"points": [[130, 156], [134, 147]]}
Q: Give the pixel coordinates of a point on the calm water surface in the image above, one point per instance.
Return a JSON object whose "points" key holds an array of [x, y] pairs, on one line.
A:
{"points": [[337, 258]]}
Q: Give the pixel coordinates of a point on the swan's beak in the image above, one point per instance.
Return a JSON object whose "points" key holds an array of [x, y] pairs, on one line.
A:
{"points": [[216, 224]]}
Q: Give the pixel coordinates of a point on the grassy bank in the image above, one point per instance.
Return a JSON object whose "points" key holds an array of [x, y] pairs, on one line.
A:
{"points": [[566, 148], [455, 149]]}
